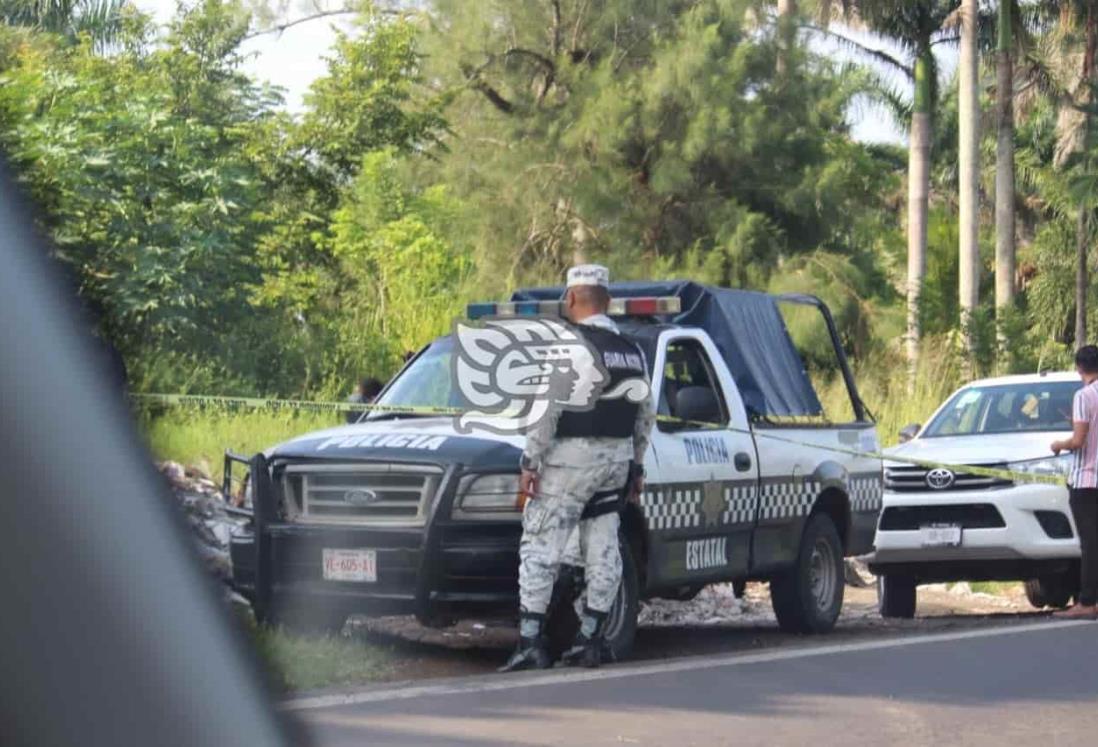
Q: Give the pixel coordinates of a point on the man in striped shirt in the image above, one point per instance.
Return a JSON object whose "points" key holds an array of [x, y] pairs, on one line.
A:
{"points": [[1083, 482]]}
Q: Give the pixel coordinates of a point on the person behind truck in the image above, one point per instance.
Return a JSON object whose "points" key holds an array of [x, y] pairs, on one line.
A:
{"points": [[572, 459], [365, 392], [1083, 482]]}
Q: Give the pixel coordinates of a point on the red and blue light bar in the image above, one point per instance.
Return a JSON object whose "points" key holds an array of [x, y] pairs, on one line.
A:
{"points": [[642, 306]]}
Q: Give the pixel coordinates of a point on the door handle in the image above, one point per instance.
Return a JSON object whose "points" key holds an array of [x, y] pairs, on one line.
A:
{"points": [[742, 460]]}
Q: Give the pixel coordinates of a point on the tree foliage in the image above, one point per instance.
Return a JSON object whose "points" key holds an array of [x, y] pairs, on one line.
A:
{"points": [[457, 152]]}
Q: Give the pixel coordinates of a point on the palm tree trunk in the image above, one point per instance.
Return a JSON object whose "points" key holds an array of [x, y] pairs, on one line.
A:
{"points": [[1004, 173], [1082, 277], [1082, 236], [918, 191], [787, 11], [969, 173]]}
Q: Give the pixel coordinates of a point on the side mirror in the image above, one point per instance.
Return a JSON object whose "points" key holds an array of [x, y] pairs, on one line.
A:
{"points": [[697, 403], [909, 432]]}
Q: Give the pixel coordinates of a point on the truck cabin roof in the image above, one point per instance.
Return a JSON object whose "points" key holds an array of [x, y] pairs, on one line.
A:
{"points": [[747, 328]]}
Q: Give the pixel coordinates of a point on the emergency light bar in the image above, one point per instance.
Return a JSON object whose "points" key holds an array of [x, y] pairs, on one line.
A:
{"points": [[643, 306]]}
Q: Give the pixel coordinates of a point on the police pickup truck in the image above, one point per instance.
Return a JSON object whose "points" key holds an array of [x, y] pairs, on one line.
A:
{"points": [[403, 512]]}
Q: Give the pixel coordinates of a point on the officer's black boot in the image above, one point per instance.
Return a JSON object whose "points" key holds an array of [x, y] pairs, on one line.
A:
{"points": [[589, 648], [533, 650]]}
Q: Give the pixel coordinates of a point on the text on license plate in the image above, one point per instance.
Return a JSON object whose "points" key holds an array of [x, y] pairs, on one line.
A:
{"points": [[350, 565], [944, 535]]}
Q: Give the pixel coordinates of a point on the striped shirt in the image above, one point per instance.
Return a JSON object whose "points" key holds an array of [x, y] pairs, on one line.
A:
{"points": [[1084, 469]]}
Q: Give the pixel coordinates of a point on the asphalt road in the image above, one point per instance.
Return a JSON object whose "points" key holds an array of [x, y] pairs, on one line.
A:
{"points": [[1027, 684]]}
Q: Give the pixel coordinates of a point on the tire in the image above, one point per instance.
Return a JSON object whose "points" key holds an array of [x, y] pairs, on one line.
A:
{"points": [[896, 596], [809, 596], [621, 623], [1049, 591], [300, 617]]}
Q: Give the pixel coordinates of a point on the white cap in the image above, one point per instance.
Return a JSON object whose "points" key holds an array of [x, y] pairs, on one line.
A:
{"points": [[588, 275]]}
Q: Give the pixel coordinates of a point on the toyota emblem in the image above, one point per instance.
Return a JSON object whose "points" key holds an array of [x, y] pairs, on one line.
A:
{"points": [[939, 479], [360, 497]]}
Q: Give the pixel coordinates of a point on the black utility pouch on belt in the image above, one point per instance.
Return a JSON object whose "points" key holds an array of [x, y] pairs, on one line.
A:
{"points": [[611, 501]]}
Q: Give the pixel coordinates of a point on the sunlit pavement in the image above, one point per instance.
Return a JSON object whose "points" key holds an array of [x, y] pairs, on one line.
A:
{"points": [[1036, 683]]}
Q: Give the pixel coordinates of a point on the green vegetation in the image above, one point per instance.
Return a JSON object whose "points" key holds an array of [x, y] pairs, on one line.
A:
{"points": [[995, 588], [450, 153], [305, 663], [200, 436]]}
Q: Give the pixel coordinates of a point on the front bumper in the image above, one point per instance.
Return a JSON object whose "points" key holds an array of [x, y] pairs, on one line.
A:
{"points": [[1021, 539], [437, 568], [470, 568]]}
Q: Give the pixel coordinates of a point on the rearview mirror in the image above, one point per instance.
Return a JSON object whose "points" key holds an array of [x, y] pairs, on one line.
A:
{"points": [[909, 432]]}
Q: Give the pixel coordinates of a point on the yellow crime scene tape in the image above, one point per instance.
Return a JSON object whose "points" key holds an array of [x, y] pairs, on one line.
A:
{"points": [[213, 400], [204, 400]]}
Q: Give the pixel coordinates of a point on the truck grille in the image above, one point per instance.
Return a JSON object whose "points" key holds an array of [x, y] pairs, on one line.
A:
{"points": [[911, 479], [968, 516], [360, 494]]}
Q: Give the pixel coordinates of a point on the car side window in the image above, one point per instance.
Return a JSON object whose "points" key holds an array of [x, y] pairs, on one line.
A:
{"points": [[689, 388]]}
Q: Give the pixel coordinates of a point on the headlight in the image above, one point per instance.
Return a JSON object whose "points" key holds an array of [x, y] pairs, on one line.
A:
{"points": [[1053, 466], [488, 494]]}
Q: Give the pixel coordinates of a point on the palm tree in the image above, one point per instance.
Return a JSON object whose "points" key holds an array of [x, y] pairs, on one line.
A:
{"points": [[1005, 250], [1087, 12], [787, 14], [969, 169], [1065, 66], [99, 18], [916, 26]]}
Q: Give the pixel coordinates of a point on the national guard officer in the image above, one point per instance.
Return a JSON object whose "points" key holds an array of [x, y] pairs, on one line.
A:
{"points": [[576, 464]]}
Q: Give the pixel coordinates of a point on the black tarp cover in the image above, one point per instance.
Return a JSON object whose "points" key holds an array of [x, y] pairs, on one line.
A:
{"points": [[749, 331]]}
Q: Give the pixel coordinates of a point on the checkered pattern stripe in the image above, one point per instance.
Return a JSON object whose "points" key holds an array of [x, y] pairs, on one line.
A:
{"points": [[740, 501], [866, 492], [787, 499], [681, 506], [673, 507]]}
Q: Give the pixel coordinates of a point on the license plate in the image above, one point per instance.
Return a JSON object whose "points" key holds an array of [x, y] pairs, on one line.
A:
{"points": [[350, 565], [947, 535]]}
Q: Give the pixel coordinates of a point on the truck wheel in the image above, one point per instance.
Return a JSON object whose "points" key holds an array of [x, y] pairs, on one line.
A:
{"points": [[302, 618], [808, 597], [1049, 591], [621, 624], [896, 596]]}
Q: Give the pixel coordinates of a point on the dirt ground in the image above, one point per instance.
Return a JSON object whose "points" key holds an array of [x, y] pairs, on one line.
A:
{"points": [[714, 622]]}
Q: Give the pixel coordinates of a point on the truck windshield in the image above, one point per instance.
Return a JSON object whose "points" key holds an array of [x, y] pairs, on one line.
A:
{"points": [[1009, 408], [427, 382]]}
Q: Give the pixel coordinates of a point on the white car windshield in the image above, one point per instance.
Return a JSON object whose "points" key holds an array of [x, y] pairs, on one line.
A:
{"points": [[1006, 408]]}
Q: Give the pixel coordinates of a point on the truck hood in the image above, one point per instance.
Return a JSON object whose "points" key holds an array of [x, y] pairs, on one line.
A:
{"points": [[987, 449], [433, 440]]}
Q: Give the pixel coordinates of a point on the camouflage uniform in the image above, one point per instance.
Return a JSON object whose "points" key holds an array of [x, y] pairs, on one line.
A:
{"points": [[572, 471]]}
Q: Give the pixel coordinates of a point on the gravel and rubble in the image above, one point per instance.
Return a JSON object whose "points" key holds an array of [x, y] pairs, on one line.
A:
{"points": [[207, 515]]}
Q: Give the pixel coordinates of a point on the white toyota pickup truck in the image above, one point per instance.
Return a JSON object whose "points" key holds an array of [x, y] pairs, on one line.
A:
{"points": [[942, 524], [403, 512]]}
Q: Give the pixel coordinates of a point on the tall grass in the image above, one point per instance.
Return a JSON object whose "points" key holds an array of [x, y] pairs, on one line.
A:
{"points": [[882, 384], [199, 436]]}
